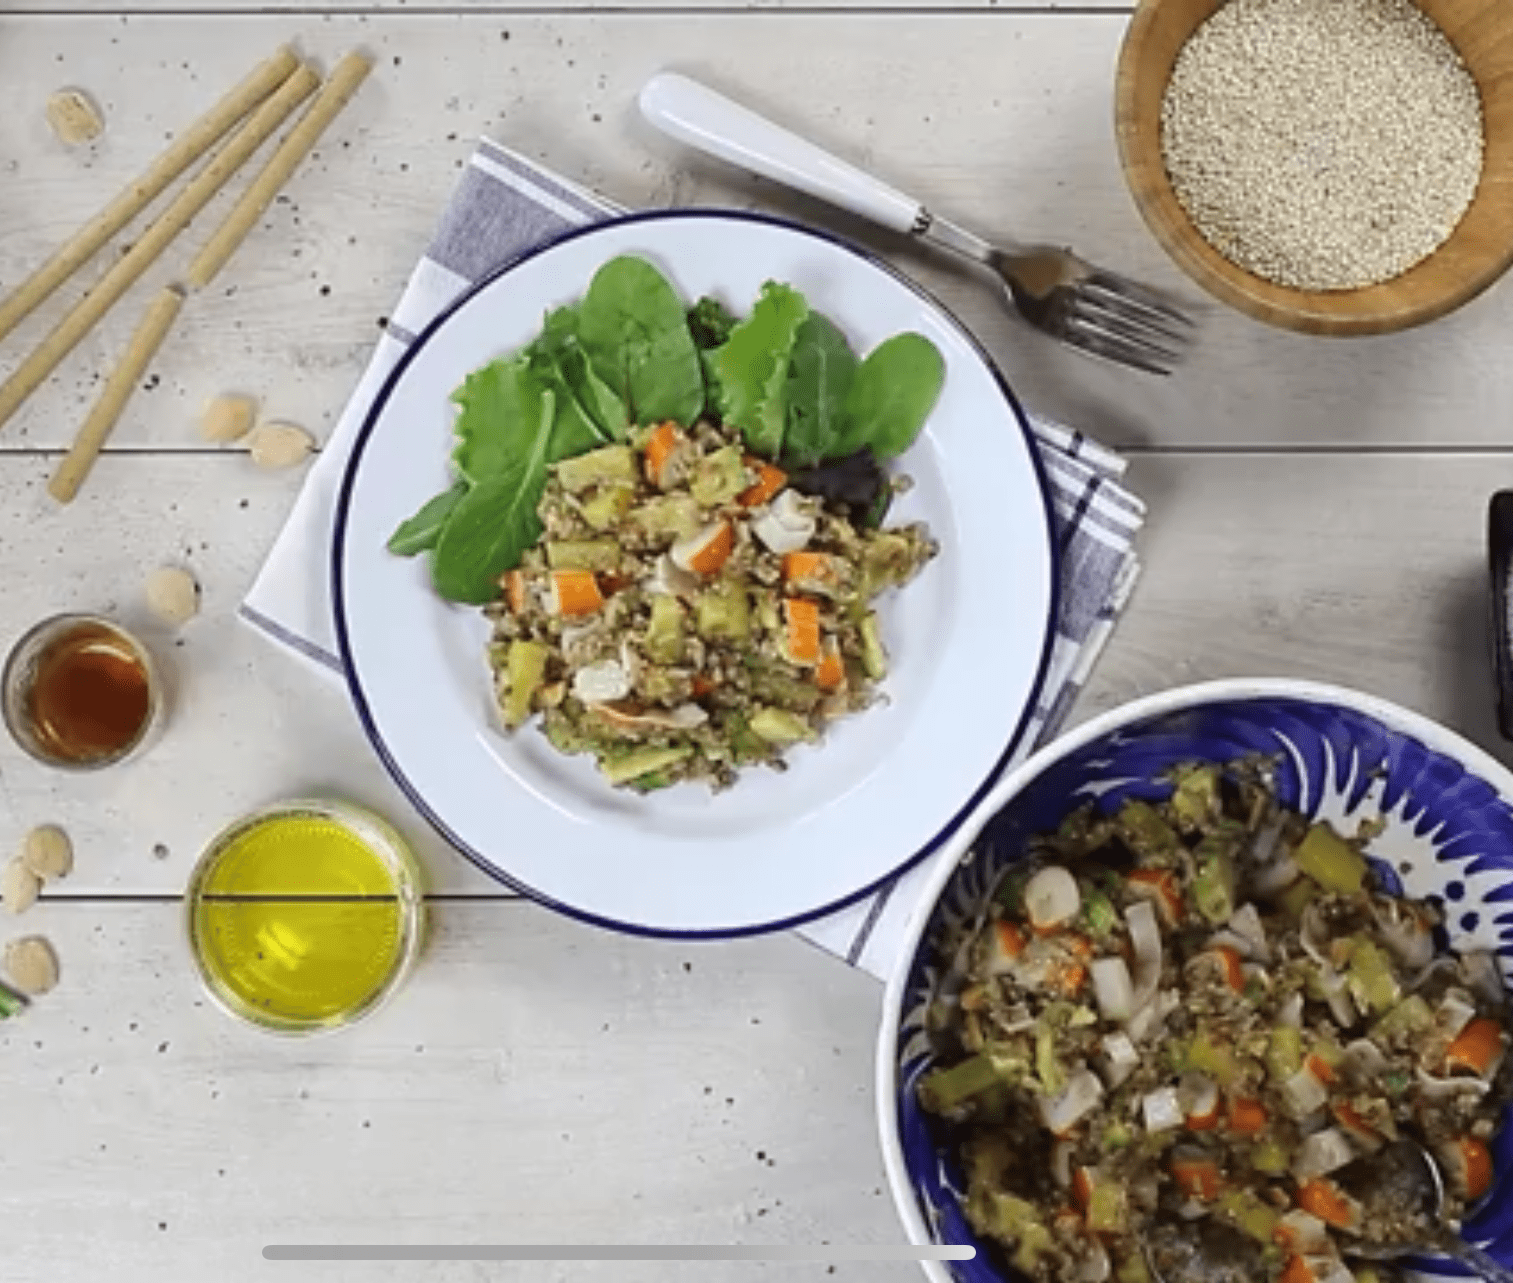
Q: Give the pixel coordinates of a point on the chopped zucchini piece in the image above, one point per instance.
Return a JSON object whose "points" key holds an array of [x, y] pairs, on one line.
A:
{"points": [[1330, 860], [608, 506], [943, 1090], [1204, 1056], [524, 673], [622, 768], [1195, 801], [664, 632], [1250, 1215], [583, 554], [1270, 1157], [1298, 897], [1132, 1269], [1408, 1020], [1099, 917], [874, 657], [778, 726], [1213, 888], [1151, 838], [605, 466], [723, 611], [1372, 980], [720, 477], [668, 516], [1284, 1053]]}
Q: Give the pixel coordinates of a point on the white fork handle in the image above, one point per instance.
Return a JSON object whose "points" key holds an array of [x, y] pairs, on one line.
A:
{"points": [[696, 115]]}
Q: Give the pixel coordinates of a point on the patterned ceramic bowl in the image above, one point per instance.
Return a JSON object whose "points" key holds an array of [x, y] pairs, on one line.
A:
{"points": [[1344, 755]]}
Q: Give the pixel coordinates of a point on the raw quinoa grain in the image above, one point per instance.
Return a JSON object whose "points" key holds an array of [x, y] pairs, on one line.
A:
{"points": [[1322, 146]]}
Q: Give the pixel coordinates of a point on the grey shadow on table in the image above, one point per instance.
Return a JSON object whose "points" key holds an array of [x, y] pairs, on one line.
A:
{"points": [[1463, 661]]}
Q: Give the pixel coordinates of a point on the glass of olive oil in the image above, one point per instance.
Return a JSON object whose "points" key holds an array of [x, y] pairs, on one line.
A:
{"points": [[79, 692], [305, 916]]}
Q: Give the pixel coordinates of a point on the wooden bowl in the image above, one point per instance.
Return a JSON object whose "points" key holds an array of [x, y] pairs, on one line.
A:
{"points": [[1476, 254]]}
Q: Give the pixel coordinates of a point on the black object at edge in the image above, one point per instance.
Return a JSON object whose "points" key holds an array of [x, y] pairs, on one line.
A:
{"points": [[1500, 565]]}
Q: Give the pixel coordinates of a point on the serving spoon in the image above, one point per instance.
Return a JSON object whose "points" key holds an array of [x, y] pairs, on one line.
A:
{"points": [[1400, 1185]]}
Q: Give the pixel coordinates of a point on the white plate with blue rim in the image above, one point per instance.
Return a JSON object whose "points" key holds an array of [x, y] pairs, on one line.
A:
{"points": [[968, 640]]}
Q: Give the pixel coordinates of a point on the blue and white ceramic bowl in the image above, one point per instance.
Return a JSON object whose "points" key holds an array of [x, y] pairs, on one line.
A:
{"points": [[1344, 755]]}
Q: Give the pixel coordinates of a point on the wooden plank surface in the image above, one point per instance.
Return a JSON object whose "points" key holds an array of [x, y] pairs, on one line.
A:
{"points": [[535, 1082], [1016, 137], [1366, 570]]}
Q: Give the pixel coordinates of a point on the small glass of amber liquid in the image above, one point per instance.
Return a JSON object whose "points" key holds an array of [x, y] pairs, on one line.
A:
{"points": [[80, 692]]}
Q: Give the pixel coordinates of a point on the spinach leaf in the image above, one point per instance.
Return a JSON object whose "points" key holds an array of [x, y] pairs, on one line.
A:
{"points": [[588, 409], [635, 333], [499, 412], [895, 389], [752, 368], [495, 522], [420, 532], [820, 373], [710, 323]]}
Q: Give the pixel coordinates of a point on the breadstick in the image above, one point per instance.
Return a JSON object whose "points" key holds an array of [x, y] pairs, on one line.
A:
{"points": [[199, 138], [204, 185], [144, 344], [334, 95]]}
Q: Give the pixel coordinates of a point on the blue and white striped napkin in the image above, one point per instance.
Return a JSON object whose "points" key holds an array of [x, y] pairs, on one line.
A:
{"points": [[505, 205]]}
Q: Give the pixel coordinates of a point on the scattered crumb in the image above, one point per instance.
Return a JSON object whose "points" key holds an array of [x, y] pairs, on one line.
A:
{"points": [[19, 886], [48, 853], [173, 595], [228, 418], [280, 445], [74, 117], [32, 965]]}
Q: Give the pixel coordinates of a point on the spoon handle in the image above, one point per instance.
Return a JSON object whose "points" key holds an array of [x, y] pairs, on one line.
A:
{"points": [[1485, 1265]]}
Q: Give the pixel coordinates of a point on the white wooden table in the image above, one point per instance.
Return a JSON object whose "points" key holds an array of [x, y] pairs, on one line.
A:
{"points": [[1317, 510]]}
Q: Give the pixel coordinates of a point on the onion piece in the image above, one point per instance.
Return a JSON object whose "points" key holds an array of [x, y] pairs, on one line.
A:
{"points": [[1051, 898], [1405, 932], [1482, 974], [1456, 1011], [1439, 1088], [1113, 988], [1061, 1163], [1291, 1012], [1063, 1111], [1161, 1110], [1328, 1268], [1147, 1021], [1094, 1266], [1337, 994], [1304, 1093], [1119, 1058], [1145, 944], [1246, 923], [1323, 1152], [1302, 1233], [1365, 1059], [1269, 880], [1198, 1095], [1227, 939]]}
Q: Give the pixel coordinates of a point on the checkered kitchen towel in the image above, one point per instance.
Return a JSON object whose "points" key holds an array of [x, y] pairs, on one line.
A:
{"points": [[506, 204]]}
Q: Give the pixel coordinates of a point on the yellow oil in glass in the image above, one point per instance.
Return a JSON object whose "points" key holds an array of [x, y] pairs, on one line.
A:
{"points": [[299, 921]]}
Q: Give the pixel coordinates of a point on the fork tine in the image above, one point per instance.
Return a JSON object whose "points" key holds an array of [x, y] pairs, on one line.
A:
{"points": [[1120, 351], [1131, 313], [1140, 295], [1083, 313]]}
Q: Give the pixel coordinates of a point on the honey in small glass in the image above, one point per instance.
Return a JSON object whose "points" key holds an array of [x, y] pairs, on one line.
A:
{"points": [[79, 692]]}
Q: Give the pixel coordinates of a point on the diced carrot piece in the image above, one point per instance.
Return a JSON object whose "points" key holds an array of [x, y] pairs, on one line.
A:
{"points": [[1355, 1125], [769, 481], [1234, 974], [514, 591], [1297, 1271], [830, 674], [701, 686], [1069, 979], [1160, 886], [1081, 946], [1011, 940], [1198, 1177], [1247, 1117], [1322, 1197], [1469, 1168], [1204, 1122], [811, 571], [575, 593], [1319, 1068], [1082, 1185], [705, 552], [660, 448], [802, 623], [1478, 1047]]}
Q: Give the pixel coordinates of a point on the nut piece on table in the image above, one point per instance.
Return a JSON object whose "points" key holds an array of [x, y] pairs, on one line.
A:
{"points": [[173, 595], [32, 965], [19, 886], [228, 418], [48, 853], [74, 117], [280, 445]]}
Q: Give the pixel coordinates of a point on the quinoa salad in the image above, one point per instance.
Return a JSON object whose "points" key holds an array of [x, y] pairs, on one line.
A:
{"points": [[1204, 1018], [687, 612]]}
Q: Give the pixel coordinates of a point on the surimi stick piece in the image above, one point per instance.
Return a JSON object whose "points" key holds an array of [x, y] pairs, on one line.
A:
{"points": [[123, 380], [345, 80], [199, 138], [232, 155]]}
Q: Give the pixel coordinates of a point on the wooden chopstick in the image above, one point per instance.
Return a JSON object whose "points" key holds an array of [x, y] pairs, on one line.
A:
{"points": [[199, 138]]}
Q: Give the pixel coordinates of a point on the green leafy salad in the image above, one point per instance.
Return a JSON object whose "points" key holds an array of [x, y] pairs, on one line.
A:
{"points": [[673, 518]]}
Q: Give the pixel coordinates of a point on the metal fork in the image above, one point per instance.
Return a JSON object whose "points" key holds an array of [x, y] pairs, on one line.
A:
{"points": [[1090, 309]]}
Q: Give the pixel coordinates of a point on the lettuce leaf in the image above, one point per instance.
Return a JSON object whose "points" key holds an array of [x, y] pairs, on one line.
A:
{"points": [[895, 389], [820, 372], [751, 368]]}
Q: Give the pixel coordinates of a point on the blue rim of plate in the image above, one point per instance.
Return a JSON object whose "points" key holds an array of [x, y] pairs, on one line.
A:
{"points": [[359, 699]]}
